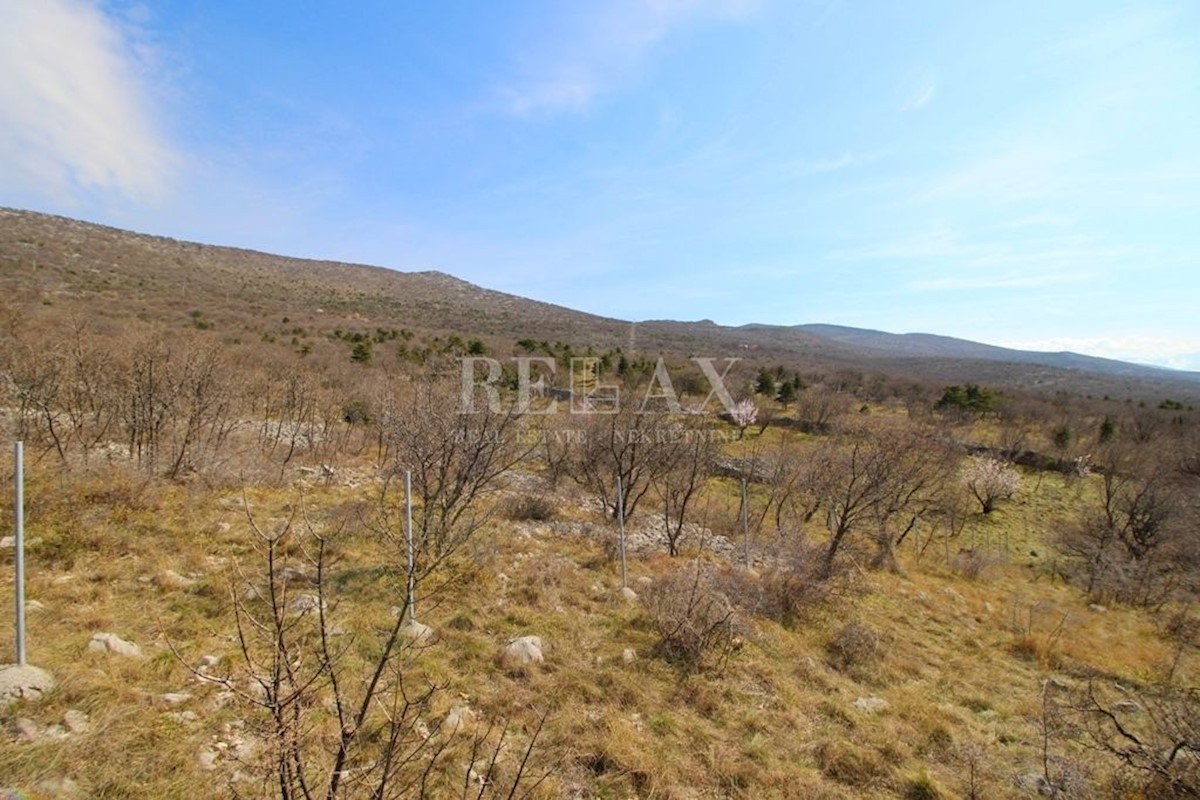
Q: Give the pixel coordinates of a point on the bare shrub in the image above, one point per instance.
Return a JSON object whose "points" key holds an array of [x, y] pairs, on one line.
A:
{"points": [[796, 585], [851, 765], [855, 649], [531, 508], [335, 714], [972, 563], [696, 623]]}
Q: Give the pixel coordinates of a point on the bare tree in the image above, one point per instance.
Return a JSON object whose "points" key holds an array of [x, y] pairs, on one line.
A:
{"points": [[819, 407], [1134, 544], [871, 476], [633, 445], [696, 448], [1153, 735], [454, 457]]}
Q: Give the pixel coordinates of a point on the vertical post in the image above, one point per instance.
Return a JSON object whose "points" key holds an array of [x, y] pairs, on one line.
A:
{"points": [[19, 544], [408, 544], [745, 525], [621, 522]]}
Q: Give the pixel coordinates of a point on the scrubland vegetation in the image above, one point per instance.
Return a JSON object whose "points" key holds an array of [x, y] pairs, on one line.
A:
{"points": [[874, 587]]}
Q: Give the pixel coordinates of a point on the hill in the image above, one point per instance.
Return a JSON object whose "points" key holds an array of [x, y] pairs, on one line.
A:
{"points": [[105, 273]]}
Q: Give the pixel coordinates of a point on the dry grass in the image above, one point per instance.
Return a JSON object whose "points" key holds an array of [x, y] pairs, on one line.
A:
{"points": [[959, 662]]}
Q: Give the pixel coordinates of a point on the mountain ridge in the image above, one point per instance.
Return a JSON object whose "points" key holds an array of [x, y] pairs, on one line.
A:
{"points": [[137, 274]]}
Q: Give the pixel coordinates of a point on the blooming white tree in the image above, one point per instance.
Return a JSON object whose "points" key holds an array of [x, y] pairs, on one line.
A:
{"points": [[990, 481], [743, 415]]}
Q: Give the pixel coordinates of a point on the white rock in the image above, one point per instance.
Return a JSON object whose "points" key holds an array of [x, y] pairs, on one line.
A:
{"points": [[75, 720], [23, 683], [27, 729], [208, 662], [416, 631], [628, 594], [871, 705], [304, 603], [207, 758], [459, 717], [170, 579], [64, 788], [244, 749], [111, 643], [524, 650], [175, 698], [628, 655], [7, 543]]}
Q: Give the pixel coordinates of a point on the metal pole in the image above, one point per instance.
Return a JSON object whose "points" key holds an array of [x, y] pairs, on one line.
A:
{"points": [[621, 520], [19, 544], [408, 543], [745, 525]]}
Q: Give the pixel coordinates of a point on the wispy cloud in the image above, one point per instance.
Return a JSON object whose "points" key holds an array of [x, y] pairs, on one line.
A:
{"points": [[923, 95], [821, 166], [76, 115], [974, 250], [1007, 281], [598, 50]]}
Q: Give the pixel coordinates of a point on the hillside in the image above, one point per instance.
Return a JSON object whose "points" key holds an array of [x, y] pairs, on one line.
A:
{"points": [[845, 590], [105, 273]]}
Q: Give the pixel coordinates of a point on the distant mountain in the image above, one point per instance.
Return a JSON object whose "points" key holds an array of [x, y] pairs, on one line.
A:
{"points": [[116, 277], [927, 345]]}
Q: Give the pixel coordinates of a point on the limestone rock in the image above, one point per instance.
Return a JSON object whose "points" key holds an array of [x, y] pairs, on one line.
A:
{"points": [[524, 650], [207, 758], [63, 788], [75, 720], [304, 603], [416, 631], [459, 718], [871, 705], [23, 683], [111, 643], [27, 729], [170, 579]]}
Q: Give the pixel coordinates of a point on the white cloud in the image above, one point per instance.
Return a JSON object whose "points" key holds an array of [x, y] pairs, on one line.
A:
{"points": [[1164, 351], [596, 51], [75, 109]]}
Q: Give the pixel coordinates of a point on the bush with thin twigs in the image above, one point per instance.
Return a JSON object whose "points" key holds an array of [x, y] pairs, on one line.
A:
{"points": [[697, 625], [531, 508], [855, 649]]}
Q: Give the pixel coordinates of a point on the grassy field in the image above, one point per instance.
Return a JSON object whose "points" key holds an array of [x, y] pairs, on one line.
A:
{"points": [[926, 683]]}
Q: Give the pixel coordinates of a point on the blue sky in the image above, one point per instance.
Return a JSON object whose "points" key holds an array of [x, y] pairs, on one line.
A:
{"points": [[1018, 173]]}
